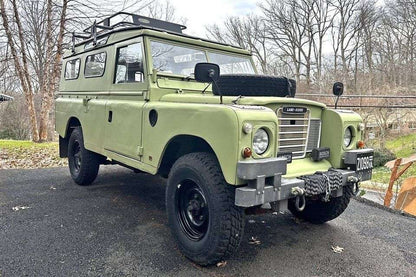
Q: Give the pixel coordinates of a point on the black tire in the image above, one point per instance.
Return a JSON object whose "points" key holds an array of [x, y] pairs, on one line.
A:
{"points": [[318, 212], [196, 187], [254, 85], [83, 164]]}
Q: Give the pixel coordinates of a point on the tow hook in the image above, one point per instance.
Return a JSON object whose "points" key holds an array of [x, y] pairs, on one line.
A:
{"points": [[355, 181], [300, 201]]}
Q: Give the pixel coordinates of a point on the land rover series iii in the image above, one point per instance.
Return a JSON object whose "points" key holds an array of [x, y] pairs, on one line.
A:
{"points": [[137, 92]]}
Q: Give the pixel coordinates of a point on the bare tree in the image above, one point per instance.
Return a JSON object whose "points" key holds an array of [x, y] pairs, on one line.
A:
{"points": [[323, 18], [284, 30], [248, 33], [345, 31], [20, 63], [369, 22]]}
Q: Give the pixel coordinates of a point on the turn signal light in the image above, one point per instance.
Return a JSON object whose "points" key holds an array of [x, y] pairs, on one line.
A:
{"points": [[360, 144], [247, 152]]}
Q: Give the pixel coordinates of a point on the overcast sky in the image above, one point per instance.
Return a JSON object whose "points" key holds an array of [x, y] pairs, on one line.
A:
{"points": [[201, 13]]}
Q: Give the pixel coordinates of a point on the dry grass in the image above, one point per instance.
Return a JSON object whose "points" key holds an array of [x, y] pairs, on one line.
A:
{"points": [[27, 154]]}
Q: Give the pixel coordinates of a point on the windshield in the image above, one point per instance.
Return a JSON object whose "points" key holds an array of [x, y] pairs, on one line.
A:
{"points": [[175, 59], [231, 64], [181, 60]]}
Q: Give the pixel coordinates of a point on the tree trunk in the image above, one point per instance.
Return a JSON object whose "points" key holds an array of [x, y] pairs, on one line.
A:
{"points": [[52, 76], [22, 72], [47, 93]]}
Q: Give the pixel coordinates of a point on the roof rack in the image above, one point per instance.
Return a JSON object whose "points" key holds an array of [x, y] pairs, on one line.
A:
{"points": [[128, 20]]}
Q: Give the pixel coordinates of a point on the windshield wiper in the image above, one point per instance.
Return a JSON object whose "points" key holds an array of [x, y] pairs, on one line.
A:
{"points": [[189, 77], [236, 100]]}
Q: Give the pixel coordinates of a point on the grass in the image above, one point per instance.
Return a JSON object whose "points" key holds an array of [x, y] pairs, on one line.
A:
{"points": [[28, 154], [11, 144], [402, 147]]}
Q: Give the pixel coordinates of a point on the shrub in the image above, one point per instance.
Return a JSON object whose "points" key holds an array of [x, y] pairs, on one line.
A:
{"points": [[382, 156]]}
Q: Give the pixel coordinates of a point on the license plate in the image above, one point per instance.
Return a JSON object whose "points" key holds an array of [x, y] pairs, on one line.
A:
{"points": [[364, 162]]}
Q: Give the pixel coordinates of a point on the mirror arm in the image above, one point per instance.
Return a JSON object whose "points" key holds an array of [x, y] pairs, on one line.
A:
{"points": [[203, 91], [218, 88], [336, 101]]}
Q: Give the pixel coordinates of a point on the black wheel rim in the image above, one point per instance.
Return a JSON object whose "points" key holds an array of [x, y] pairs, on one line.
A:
{"points": [[76, 153], [192, 210]]}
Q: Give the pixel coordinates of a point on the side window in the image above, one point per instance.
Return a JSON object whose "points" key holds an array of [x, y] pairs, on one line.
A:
{"points": [[72, 69], [95, 65], [129, 66]]}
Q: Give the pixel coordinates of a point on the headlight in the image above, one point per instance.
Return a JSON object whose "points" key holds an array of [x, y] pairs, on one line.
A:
{"points": [[260, 141], [347, 137]]}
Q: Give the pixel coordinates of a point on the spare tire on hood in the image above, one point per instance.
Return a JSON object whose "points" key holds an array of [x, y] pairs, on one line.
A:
{"points": [[254, 85]]}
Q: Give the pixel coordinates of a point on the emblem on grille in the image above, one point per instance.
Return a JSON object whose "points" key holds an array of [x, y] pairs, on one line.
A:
{"points": [[296, 110]]}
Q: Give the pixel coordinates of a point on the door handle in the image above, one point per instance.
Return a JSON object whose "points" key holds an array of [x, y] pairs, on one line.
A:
{"points": [[110, 116]]}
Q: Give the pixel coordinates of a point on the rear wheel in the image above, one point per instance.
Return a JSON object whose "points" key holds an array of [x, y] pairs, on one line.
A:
{"points": [[83, 164], [318, 212], [201, 212]]}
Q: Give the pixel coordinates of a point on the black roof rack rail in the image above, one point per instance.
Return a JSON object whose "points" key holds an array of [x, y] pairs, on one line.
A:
{"points": [[129, 20]]}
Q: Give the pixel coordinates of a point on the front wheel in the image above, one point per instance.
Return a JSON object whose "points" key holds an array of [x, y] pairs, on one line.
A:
{"points": [[201, 212], [83, 164], [318, 212]]}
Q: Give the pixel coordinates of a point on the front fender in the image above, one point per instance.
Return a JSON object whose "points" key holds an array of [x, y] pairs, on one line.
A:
{"points": [[218, 125]]}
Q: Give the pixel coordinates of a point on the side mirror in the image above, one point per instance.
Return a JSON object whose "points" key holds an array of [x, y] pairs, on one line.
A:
{"points": [[206, 72], [338, 89]]}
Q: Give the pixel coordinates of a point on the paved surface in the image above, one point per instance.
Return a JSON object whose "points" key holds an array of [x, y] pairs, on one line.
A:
{"points": [[377, 196], [118, 227]]}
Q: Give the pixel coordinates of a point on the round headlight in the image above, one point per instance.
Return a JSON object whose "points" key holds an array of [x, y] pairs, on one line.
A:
{"points": [[347, 137], [260, 141]]}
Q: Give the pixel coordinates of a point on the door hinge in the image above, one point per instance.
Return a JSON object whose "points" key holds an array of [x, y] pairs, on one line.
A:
{"points": [[140, 151]]}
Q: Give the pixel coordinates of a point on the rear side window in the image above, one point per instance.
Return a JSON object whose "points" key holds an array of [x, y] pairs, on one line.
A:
{"points": [[95, 65], [129, 67], [72, 69]]}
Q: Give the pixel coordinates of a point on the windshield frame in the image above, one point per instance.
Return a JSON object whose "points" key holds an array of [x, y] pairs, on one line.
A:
{"points": [[204, 49]]}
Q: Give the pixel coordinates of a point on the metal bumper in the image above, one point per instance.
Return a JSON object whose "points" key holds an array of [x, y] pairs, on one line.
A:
{"points": [[265, 182], [266, 185]]}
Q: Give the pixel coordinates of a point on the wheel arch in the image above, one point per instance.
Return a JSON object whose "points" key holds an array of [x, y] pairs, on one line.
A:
{"points": [[181, 145], [63, 140]]}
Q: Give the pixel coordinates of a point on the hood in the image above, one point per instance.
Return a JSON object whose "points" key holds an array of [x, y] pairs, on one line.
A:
{"points": [[243, 100]]}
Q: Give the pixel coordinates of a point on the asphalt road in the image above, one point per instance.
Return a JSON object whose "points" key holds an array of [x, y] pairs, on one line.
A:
{"points": [[118, 227]]}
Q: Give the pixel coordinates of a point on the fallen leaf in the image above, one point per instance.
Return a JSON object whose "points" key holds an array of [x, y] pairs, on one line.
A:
{"points": [[254, 241], [337, 249], [222, 264], [17, 208]]}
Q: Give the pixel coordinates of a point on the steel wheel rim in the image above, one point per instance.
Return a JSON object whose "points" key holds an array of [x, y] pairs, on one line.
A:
{"points": [[76, 153], [192, 210]]}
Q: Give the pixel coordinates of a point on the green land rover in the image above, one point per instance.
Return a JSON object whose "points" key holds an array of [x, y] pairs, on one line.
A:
{"points": [[138, 92]]}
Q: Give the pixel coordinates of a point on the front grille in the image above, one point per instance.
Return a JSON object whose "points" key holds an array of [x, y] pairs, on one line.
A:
{"points": [[293, 133], [298, 133], [314, 134]]}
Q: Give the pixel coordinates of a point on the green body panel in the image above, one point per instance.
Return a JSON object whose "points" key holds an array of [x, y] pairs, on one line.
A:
{"points": [[115, 117], [217, 124], [334, 122]]}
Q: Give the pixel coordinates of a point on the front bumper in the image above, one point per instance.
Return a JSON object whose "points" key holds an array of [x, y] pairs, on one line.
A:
{"points": [[265, 183]]}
